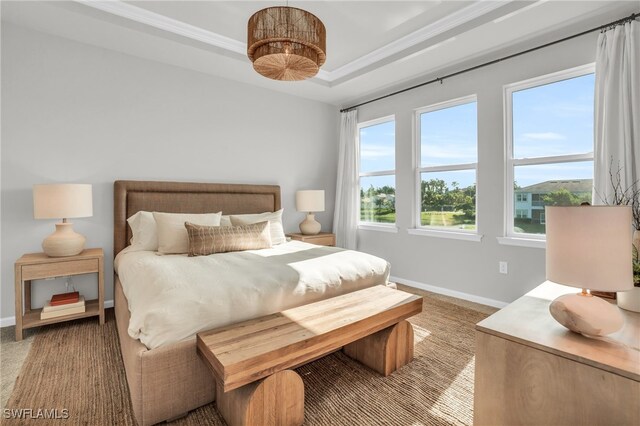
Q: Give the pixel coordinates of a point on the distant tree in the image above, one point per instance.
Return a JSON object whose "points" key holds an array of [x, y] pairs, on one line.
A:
{"points": [[563, 197], [377, 200], [466, 201], [438, 196], [389, 190], [470, 190], [371, 192], [434, 194]]}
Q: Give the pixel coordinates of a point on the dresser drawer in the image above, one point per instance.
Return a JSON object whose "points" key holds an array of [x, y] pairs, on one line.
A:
{"points": [[59, 269]]}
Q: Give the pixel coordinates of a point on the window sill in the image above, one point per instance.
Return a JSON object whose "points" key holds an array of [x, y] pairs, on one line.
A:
{"points": [[522, 242], [378, 227], [466, 236]]}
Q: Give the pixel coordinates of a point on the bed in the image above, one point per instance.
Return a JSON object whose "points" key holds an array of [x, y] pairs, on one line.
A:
{"points": [[169, 380]]}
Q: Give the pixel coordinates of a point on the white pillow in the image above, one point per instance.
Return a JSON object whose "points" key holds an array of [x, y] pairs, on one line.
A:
{"points": [[275, 223], [144, 230], [225, 220], [172, 234]]}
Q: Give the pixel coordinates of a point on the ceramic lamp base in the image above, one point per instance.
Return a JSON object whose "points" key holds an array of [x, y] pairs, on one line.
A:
{"points": [[629, 300], [64, 242], [586, 314], [310, 226]]}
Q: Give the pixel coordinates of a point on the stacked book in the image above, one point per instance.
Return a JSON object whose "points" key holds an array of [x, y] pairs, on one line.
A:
{"points": [[63, 304]]}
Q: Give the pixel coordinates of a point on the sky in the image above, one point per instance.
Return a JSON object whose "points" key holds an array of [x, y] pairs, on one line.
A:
{"points": [[554, 119]]}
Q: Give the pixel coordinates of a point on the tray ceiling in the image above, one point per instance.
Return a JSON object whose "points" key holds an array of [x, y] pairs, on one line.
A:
{"points": [[371, 45]]}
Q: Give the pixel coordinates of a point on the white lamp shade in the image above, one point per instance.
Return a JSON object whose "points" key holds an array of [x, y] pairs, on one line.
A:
{"points": [[590, 247], [310, 200], [62, 201]]}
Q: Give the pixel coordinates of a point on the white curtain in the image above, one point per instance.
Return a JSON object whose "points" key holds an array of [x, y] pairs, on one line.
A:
{"points": [[345, 220], [617, 110]]}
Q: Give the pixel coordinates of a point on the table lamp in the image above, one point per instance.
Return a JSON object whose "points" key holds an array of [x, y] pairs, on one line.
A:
{"points": [[62, 201], [310, 201], [589, 247]]}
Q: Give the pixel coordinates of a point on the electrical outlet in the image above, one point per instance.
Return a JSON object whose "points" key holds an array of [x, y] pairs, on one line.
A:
{"points": [[503, 267]]}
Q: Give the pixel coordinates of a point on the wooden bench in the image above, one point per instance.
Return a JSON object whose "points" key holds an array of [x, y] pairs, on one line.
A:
{"points": [[253, 361]]}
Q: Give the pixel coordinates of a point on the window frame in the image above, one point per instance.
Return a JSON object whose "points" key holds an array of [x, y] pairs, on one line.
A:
{"points": [[418, 228], [376, 226], [537, 240]]}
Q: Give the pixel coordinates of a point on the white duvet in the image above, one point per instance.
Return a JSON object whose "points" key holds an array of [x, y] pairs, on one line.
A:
{"points": [[172, 297]]}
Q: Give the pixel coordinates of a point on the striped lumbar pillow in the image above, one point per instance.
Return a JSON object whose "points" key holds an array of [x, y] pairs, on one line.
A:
{"points": [[205, 240]]}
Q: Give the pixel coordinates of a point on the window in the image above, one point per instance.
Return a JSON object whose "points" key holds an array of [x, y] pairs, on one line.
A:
{"points": [[377, 141], [549, 137], [447, 148]]}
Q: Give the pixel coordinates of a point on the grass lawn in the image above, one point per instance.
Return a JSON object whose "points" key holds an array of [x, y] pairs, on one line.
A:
{"points": [[373, 216], [525, 225], [452, 220], [443, 219], [446, 219]]}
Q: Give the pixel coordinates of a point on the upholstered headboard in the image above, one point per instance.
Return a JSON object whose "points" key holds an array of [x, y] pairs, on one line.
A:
{"points": [[132, 196]]}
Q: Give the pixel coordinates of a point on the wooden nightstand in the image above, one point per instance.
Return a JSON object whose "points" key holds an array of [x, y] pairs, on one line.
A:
{"points": [[37, 266], [531, 370], [321, 239]]}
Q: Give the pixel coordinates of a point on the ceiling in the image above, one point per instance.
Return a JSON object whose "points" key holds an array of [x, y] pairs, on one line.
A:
{"points": [[372, 46]]}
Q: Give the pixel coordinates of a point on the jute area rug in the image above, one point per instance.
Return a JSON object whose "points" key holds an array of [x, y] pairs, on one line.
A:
{"points": [[77, 366]]}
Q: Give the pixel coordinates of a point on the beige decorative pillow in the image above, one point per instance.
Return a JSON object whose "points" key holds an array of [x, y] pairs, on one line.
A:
{"points": [[205, 240], [275, 223], [172, 235]]}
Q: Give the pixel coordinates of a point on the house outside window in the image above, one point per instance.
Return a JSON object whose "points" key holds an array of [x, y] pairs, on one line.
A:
{"points": [[377, 184], [447, 155], [549, 146], [581, 190], [521, 214]]}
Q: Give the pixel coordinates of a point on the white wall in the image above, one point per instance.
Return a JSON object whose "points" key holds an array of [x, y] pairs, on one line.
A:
{"points": [[76, 113], [464, 266]]}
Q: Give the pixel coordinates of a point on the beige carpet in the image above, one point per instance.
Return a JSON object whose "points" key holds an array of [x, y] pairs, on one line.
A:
{"points": [[77, 366]]}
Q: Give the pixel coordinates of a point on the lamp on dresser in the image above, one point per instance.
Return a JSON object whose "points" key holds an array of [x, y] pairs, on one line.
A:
{"points": [[62, 201], [589, 247], [310, 201]]}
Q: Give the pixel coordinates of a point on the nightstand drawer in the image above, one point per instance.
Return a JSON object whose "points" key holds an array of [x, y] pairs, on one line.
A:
{"points": [[59, 268], [324, 240], [321, 239]]}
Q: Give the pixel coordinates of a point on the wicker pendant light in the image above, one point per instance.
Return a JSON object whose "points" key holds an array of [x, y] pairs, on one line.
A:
{"points": [[286, 43]]}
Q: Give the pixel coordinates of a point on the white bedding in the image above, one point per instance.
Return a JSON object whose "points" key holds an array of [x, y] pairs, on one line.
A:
{"points": [[172, 297]]}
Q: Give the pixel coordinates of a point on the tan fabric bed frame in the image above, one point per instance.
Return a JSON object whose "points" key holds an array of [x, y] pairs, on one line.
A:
{"points": [[169, 381]]}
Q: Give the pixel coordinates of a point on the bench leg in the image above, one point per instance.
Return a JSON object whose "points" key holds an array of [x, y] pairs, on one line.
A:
{"points": [[276, 400], [384, 351]]}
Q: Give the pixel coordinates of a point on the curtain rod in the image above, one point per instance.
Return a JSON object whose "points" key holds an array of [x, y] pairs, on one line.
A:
{"points": [[473, 68]]}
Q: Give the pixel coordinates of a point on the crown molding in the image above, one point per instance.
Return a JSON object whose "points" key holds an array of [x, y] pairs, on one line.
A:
{"points": [[162, 22], [447, 23]]}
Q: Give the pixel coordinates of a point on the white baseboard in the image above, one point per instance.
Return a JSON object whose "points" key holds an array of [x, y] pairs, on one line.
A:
{"points": [[452, 293], [9, 321]]}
